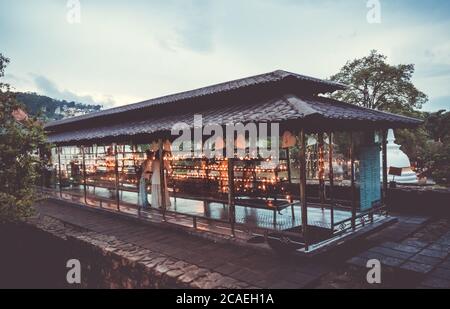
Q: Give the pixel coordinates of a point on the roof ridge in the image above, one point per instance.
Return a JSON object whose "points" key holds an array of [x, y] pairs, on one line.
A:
{"points": [[270, 77], [301, 106], [369, 109]]}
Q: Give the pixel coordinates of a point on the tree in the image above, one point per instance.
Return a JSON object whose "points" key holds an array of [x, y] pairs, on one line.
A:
{"points": [[439, 163], [373, 83], [20, 136], [438, 124], [437, 154]]}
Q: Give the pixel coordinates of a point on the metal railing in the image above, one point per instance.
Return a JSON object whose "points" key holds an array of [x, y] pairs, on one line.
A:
{"points": [[228, 228], [220, 226], [360, 220]]}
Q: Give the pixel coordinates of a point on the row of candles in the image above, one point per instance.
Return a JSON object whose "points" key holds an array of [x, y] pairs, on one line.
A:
{"points": [[106, 163], [272, 180]]}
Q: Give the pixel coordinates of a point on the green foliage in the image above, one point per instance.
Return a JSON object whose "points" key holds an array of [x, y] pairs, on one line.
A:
{"points": [[44, 107], [378, 85], [438, 125], [439, 163], [373, 83], [19, 165], [437, 154]]}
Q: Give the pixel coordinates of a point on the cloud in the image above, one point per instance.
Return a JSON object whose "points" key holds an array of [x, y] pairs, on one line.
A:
{"points": [[153, 48], [434, 70], [437, 103], [196, 31], [49, 88], [186, 25]]}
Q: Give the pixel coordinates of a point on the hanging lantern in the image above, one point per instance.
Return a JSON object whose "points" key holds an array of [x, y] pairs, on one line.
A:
{"points": [[154, 146], [288, 140], [240, 142], [167, 146], [311, 141]]}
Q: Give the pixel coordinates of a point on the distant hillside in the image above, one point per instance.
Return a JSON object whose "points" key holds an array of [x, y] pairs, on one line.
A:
{"points": [[49, 109]]}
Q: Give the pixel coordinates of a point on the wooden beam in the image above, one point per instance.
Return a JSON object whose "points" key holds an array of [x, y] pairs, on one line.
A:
{"points": [[134, 150], [352, 173], [288, 159], [321, 166], [116, 172], [84, 173], [331, 178], [288, 165], [231, 206], [162, 178], [304, 207], [385, 167], [58, 150]]}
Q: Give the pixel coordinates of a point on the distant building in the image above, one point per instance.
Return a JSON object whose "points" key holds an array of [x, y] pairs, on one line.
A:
{"points": [[397, 158]]}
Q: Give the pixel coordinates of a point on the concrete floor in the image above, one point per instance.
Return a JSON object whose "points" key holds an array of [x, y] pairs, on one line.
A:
{"points": [[260, 217]]}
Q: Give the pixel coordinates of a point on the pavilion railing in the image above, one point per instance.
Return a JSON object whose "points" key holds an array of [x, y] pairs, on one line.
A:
{"points": [[201, 223], [360, 220], [217, 226]]}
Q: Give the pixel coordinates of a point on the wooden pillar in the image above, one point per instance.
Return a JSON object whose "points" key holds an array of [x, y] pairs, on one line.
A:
{"points": [[321, 166], [162, 178], [174, 187], [352, 167], [288, 165], [133, 148], [385, 167], [231, 210], [304, 207], [59, 171], [84, 174], [331, 178], [116, 172]]}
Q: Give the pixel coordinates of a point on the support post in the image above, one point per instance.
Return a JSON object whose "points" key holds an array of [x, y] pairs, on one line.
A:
{"points": [[162, 178], [84, 173], [231, 210], [288, 165], [59, 171], [133, 152], [304, 207], [321, 163], [353, 193], [331, 178], [385, 168], [116, 172]]}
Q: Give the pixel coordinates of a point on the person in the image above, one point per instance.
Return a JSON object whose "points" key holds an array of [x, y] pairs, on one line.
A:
{"points": [[110, 162], [156, 182], [145, 173]]}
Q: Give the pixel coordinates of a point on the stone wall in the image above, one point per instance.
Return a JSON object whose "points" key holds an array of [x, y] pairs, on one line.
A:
{"points": [[108, 262], [420, 200]]}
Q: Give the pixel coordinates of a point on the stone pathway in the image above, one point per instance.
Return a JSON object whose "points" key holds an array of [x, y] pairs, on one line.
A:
{"points": [[252, 267], [419, 260], [412, 245]]}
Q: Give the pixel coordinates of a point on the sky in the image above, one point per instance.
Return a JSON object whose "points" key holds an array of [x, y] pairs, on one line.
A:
{"points": [[121, 52]]}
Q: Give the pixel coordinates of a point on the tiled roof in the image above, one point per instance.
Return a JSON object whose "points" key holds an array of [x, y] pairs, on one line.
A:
{"points": [[319, 111], [300, 81]]}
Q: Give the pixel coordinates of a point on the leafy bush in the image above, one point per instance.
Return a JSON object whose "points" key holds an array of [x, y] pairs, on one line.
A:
{"points": [[20, 138]]}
